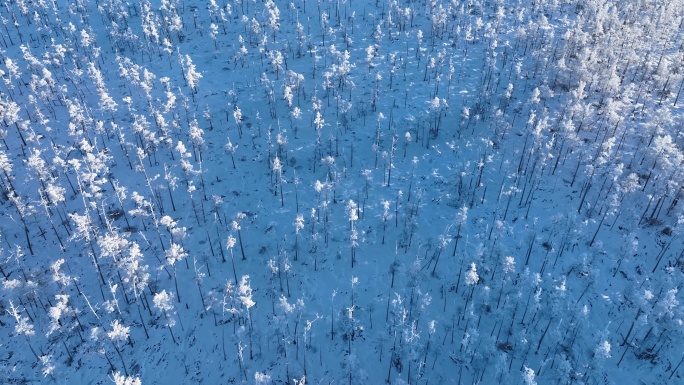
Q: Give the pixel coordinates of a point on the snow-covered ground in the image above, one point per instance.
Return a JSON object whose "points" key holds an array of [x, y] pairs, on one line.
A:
{"points": [[341, 192]]}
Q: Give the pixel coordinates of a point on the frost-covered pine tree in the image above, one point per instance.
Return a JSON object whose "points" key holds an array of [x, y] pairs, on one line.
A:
{"points": [[331, 176], [299, 225], [231, 148], [277, 61], [62, 279], [48, 365], [603, 349], [237, 116], [319, 123], [278, 171], [213, 28], [295, 115], [57, 312], [386, 216], [245, 294], [471, 279], [461, 218], [23, 326], [117, 334], [443, 242], [230, 244], [164, 303], [196, 139], [273, 18], [107, 103], [175, 254], [25, 210], [136, 272], [352, 211], [188, 173], [237, 226], [190, 74]]}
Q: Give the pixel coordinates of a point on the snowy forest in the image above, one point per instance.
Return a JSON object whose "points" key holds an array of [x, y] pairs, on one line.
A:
{"points": [[341, 192]]}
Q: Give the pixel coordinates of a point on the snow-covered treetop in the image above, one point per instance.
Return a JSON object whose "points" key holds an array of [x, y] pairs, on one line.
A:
{"points": [[118, 332], [245, 292], [175, 253], [120, 379], [163, 301], [471, 276]]}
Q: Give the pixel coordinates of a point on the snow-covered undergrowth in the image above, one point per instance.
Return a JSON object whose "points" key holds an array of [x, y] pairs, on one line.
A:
{"points": [[341, 192]]}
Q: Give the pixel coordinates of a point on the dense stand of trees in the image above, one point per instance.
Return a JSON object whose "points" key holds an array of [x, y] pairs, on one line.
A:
{"points": [[542, 139]]}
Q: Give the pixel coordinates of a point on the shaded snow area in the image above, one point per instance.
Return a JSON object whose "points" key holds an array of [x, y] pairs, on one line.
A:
{"points": [[341, 192]]}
